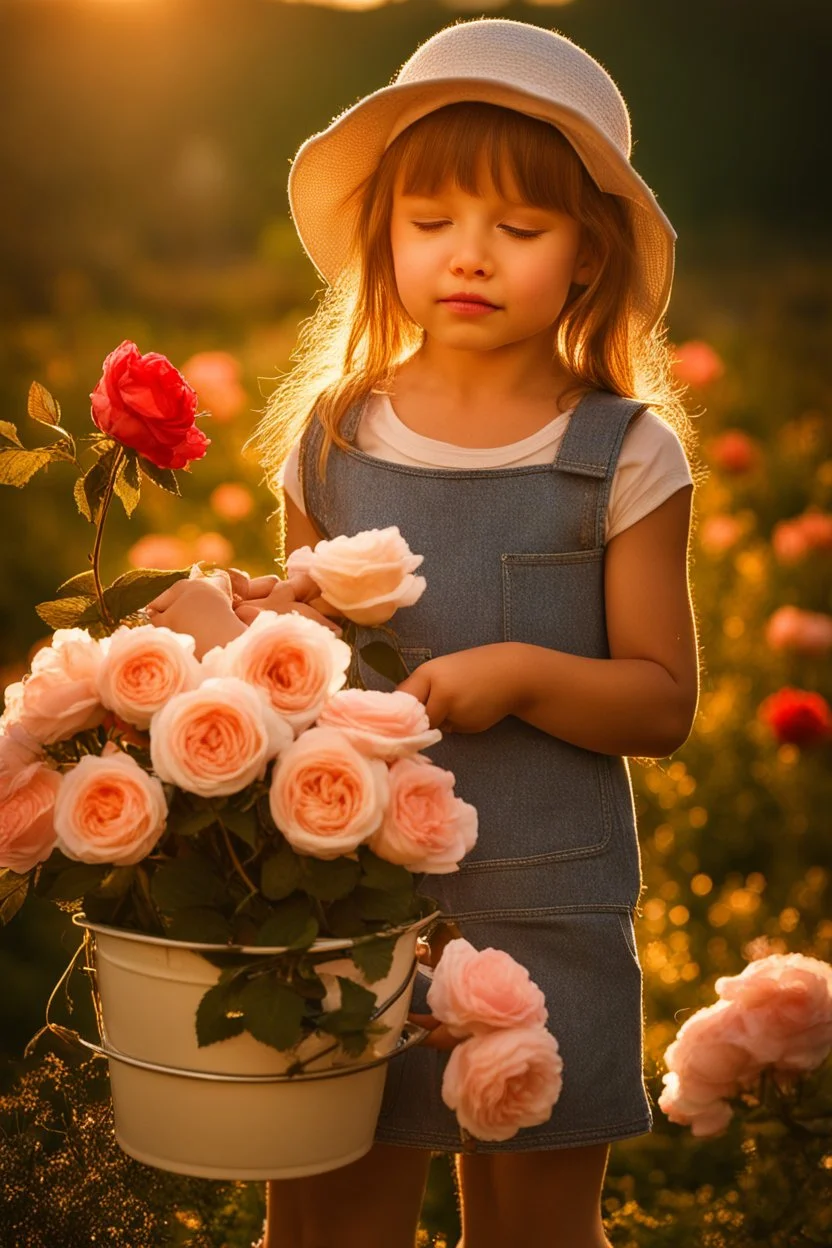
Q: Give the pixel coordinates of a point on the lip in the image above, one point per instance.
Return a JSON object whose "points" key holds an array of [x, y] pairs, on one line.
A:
{"points": [[464, 296]]}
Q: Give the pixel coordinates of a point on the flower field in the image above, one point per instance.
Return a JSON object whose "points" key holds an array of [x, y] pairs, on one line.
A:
{"points": [[734, 827]]}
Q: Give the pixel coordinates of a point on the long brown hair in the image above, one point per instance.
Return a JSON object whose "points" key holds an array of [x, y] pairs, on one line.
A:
{"points": [[361, 332]]}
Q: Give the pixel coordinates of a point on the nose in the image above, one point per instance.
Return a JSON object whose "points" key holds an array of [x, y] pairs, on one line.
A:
{"points": [[470, 258]]}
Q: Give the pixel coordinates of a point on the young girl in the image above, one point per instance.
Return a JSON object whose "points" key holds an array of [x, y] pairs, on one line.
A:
{"points": [[489, 373]]}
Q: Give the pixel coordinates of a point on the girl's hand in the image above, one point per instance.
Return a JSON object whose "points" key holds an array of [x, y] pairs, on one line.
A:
{"points": [[270, 593], [440, 1037], [200, 607], [429, 952], [470, 690]]}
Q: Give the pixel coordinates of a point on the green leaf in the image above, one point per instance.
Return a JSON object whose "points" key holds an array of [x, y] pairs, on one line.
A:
{"points": [[14, 889], [290, 924], [190, 823], [128, 482], [70, 885], [385, 660], [116, 882], [9, 433], [185, 882], [82, 584], [42, 407], [374, 958], [216, 1015], [242, 823], [329, 880], [280, 874], [72, 612], [379, 873], [165, 478], [18, 467], [97, 479], [344, 918], [81, 499], [388, 907], [355, 1012], [273, 1012], [200, 924], [134, 590]]}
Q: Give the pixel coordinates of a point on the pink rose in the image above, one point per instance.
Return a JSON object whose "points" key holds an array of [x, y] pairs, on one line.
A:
{"points": [[216, 739], [142, 668], [109, 810], [27, 834], [18, 763], [709, 1054], [806, 632], [703, 1117], [366, 577], [784, 1004], [298, 663], [60, 695], [384, 725], [504, 1080], [326, 798], [425, 827], [475, 991]]}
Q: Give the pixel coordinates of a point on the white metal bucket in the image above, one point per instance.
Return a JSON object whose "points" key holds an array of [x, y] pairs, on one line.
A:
{"points": [[229, 1110]]}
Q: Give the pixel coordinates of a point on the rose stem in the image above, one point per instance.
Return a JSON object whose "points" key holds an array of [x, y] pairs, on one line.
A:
{"points": [[238, 866], [99, 533]]}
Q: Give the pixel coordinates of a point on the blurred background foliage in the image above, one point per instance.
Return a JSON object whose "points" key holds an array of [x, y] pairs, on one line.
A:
{"points": [[145, 158]]}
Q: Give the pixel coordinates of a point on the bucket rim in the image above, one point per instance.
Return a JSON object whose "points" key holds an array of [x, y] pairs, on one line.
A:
{"points": [[326, 945]]}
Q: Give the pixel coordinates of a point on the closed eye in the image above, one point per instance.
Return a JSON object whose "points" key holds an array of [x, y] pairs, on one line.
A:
{"points": [[429, 227]]}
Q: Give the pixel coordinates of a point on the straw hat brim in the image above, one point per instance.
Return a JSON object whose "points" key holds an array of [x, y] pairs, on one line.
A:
{"points": [[330, 165]]}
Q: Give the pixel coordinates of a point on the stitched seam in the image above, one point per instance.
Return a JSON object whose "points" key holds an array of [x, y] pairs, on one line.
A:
{"points": [[633, 1126], [541, 912]]}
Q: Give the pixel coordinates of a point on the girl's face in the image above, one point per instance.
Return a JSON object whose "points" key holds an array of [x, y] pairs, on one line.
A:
{"points": [[517, 259]]}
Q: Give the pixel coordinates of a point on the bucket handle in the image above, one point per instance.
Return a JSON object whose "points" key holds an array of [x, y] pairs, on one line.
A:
{"points": [[411, 1035]]}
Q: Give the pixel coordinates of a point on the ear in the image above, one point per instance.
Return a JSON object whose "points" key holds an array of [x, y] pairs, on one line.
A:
{"points": [[586, 265]]}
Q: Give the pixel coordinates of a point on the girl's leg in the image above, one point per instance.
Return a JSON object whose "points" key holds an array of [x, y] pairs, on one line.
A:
{"points": [[372, 1203], [533, 1200]]}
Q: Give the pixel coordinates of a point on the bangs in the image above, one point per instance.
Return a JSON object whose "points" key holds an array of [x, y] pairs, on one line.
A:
{"points": [[473, 143]]}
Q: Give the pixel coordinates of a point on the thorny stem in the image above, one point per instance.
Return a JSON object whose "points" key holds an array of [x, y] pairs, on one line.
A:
{"points": [[238, 866], [99, 533]]}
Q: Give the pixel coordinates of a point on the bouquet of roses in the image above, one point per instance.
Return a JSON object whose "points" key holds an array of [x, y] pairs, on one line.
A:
{"points": [[256, 796], [757, 1046]]}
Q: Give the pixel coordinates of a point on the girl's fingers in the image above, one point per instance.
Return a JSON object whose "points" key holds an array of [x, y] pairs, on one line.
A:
{"points": [[303, 587], [240, 583], [167, 598], [262, 586], [440, 1037], [245, 612]]}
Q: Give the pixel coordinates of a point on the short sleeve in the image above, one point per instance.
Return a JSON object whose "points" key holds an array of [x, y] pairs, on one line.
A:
{"points": [[289, 479], [652, 465]]}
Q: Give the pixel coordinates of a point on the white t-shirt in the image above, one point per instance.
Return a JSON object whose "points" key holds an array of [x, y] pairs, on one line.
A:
{"points": [[651, 465]]}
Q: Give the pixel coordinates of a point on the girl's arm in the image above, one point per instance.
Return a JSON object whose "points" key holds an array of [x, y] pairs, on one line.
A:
{"points": [[642, 700]]}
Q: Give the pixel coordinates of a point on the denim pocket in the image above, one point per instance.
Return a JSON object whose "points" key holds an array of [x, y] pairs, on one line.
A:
{"points": [[556, 600], [414, 655]]}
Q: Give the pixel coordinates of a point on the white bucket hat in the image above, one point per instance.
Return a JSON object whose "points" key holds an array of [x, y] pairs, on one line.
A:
{"points": [[498, 61]]}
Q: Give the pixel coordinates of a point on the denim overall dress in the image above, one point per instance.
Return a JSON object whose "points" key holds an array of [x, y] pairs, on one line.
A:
{"points": [[517, 554]]}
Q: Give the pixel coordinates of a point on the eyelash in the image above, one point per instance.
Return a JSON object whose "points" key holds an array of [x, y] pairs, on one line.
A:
{"points": [[429, 227]]}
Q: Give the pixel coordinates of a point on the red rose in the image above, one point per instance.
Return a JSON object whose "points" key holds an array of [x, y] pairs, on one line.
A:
{"points": [[143, 402], [796, 716], [734, 451]]}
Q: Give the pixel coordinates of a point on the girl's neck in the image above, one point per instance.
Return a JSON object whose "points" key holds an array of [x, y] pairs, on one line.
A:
{"points": [[479, 399], [518, 374]]}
